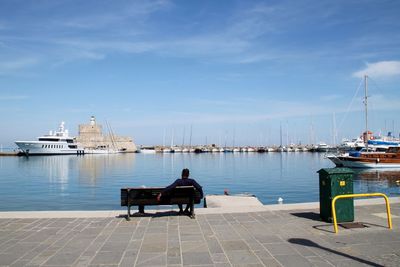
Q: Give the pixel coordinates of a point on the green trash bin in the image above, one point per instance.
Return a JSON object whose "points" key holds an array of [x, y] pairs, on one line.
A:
{"points": [[334, 182]]}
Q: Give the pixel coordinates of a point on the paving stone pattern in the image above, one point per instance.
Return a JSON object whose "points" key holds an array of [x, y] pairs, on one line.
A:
{"points": [[279, 238]]}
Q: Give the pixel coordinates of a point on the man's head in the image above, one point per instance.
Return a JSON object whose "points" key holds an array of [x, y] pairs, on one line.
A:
{"points": [[185, 173]]}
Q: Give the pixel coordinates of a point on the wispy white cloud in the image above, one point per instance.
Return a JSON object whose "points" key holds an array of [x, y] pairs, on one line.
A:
{"points": [[250, 33], [258, 111], [330, 97], [13, 97], [17, 64], [381, 102], [78, 110], [134, 10], [380, 69]]}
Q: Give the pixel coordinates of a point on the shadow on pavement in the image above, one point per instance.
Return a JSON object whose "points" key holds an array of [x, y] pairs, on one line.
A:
{"points": [[308, 215], [152, 215], [309, 243]]}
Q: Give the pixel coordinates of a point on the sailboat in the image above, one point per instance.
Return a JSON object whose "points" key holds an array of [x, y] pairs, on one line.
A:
{"points": [[367, 158], [106, 149]]}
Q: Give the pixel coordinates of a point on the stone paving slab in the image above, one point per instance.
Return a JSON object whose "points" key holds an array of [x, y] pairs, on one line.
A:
{"points": [[264, 238]]}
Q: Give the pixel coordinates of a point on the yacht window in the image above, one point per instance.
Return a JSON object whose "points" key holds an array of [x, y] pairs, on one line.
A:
{"points": [[49, 139], [393, 150]]}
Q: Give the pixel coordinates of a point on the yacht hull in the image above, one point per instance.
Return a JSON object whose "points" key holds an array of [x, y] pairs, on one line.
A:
{"points": [[50, 148]]}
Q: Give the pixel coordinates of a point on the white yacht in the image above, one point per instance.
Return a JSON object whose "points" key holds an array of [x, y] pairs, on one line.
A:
{"points": [[167, 150], [177, 149], [55, 143], [251, 149], [148, 150], [101, 150]]}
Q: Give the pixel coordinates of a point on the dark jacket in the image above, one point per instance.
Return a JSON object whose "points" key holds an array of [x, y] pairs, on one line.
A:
{"points": [[184, 182]]}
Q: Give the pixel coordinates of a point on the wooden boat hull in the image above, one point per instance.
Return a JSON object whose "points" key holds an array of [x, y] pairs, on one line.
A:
{"points": [[379, 161]]}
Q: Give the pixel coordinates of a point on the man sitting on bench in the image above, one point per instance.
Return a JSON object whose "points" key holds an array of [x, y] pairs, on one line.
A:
{"points": [[184, 181]]}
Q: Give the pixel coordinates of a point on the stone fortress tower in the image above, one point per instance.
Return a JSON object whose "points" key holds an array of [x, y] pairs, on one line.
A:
{"points": [[91, 137]]}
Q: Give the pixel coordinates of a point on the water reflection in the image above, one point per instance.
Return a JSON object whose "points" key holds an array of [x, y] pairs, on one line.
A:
{"points": [[88, 169], [55, 168], [92, 168], [378, 180]]}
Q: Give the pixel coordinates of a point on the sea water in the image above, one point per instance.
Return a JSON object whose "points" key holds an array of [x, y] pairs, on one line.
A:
{"points": [[93, 182]]}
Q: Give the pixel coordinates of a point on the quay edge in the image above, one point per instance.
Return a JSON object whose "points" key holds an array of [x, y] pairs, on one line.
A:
{"points": [[199, 211]]}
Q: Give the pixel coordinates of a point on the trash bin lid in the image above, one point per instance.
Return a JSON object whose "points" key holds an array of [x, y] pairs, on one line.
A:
{"points": [[336, 171]]}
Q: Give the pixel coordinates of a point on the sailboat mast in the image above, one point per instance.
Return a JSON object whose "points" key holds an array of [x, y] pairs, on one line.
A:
{"points": [[366, 110], [334, 133], [190, 138], [183, 138], [111, 135], [163, 144], [234, 134], [172, 139]]}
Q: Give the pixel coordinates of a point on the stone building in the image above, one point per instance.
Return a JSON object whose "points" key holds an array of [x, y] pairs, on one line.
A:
{"points": [[91, 137]]}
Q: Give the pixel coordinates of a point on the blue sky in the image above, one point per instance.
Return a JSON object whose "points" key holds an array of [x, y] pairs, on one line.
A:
{"points": [[231, 70]]}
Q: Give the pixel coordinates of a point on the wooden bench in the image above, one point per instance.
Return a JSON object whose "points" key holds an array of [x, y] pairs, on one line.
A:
{"points": [[142, 197]]}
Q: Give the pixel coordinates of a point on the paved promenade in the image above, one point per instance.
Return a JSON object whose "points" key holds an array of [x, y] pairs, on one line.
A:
{"points": [[263, 238]]}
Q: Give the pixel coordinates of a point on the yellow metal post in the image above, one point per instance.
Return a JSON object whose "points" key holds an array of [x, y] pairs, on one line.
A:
{"points": [[389, 217]]}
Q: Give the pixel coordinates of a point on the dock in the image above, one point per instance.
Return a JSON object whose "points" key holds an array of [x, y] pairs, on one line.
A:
{"points": [[275, 235], [10, 154]]}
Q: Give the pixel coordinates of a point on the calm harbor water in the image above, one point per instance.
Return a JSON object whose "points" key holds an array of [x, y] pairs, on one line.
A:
{"points": [[93, 182]]}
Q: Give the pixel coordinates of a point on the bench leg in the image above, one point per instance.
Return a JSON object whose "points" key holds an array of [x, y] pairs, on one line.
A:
{"points": [[192, 209], [128, 218], [141, 208]]}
